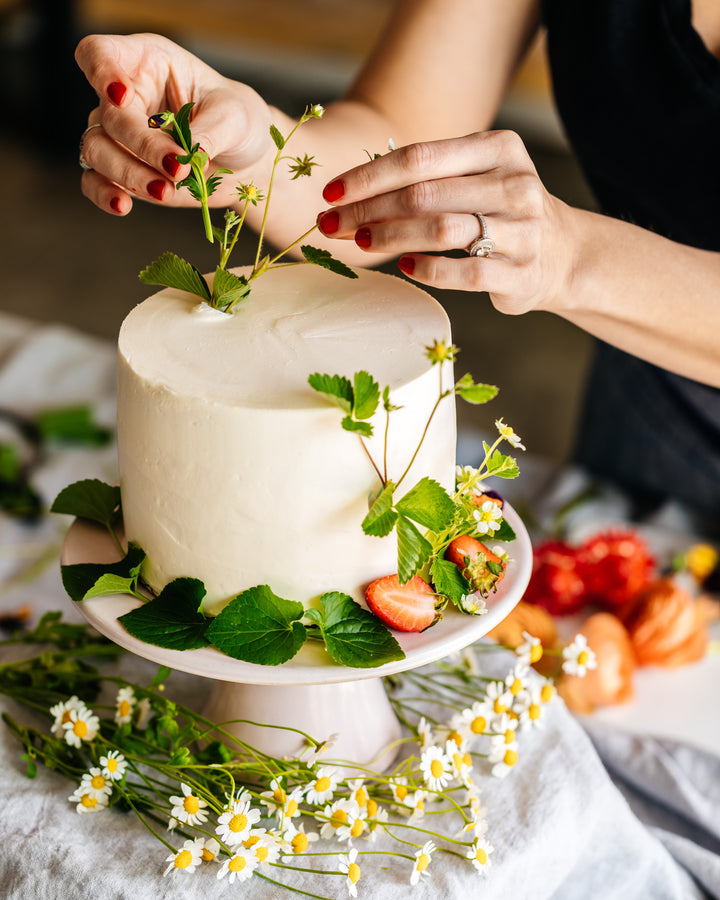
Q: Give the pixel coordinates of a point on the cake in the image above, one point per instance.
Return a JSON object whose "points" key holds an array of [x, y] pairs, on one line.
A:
{"points": [[233, 470]]}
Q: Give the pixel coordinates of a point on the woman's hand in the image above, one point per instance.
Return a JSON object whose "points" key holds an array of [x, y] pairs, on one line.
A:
{"points": [[136, 76], [424, 197]]}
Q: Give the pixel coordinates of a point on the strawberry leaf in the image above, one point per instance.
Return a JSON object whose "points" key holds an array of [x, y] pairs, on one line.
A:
{"points": [[170, 270], [173, 619], [259, 627], [89, 499], [325, 259], [364, 429], [85, 580], [336, 387], [278, 139], [414, 550], [428, 504], [502, 466], [504, 533], [475, 393], [367, 395], [353, 635], [228, 289], [449, 580], [381, 517]]}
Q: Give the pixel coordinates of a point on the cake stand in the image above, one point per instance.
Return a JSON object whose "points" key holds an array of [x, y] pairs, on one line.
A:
{"points": [[310, 692]]}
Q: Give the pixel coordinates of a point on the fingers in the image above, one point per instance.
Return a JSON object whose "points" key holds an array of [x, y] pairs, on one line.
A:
{"points": [[100, 58], [496, 276]]}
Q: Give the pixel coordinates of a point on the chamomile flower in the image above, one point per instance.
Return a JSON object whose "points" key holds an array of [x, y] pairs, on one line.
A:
{"points": [[348, 866], [578, 657], [185, 860], [436, 767], [95, 783], [425, 734], [461, 764], [312, 753], [320, 790], [531, 649], [423, 858], [240, 865], [358, 792], [416, 802], [476, 825], [297, 839], [235, 823], [88, 801], [265, 846], [377, 816], [343, 821], [504, 756], [399, 788], [124, 705], [62, 711], [188, 808], [488, 517], [531, 708], [479, 854], [209, 848], [81, 726], [114, 765], [285, 806], [507, 432], [516, 679], [499, 697], [505, 732], [473, 720]]}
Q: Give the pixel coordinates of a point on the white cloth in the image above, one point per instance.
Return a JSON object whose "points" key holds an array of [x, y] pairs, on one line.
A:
{"points": [[560, 825]]}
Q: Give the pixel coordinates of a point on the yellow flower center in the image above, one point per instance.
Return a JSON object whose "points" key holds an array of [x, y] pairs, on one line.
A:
{"points": [[455, 736], [510, 758], [238, 823], [361, 797], [183, 859], [124, 709], [207, 855], [291, 808], [481, 856], [423, 862], [467, 759], [458, 760], [499, 707], [372, 807], [478, 725], [534, 711], [338, 818], [509, 736], [300, 842], [547, 692], [401, 791], [322, 784], [516, 687], [357, 828], [279, 795], [420, 805], [251, 841], [191, 805], [354, 873], [80, 728], [87, 801], [237, 864], [536, 652], [111, 764], [436, 768], [98, 782], [262, 853], [583, 658]]}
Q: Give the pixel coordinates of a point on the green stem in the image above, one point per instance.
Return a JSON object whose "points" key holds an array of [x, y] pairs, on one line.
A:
{"points": [[422, 439]]}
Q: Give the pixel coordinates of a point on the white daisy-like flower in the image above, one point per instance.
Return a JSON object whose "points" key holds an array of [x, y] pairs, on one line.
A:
{"points": [[124, 705], [461, 764], [348, 866], [337, 818], [186, 859], [312, 753], [114, 765], [143, 713], [473, 720], [95, 783], [531, 708], [235, 823], [473, 604], [240, 865], [517, 679], [578, 657], [278, 801], [476, 825], [265, 845], [548, 692], [530, 651], [416, 802], [425, 734], [358, 792], [423, 858], [507, 432], [89, 801], [62, 711], [297, 839], [479, 854], [377, 816], [505, 733], [399, 788], [209, 849], [504, 756], [499, 697], [436, 768], [82, 725], [488, 517], [188, 808], [464, 477], [322, 787]]}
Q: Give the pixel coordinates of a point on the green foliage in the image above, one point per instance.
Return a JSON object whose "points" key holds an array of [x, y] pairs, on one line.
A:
{"points": [[172, 619], [428, 504], [228, 289], [336, 387], [381, 517], [85, 580], [89, 499], [326, 260], [475, 393], [414, 550], [72, 425], [172, 271]]}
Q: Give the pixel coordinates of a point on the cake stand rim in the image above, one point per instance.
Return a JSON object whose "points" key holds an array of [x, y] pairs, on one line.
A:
{"points": [[420, 649]]}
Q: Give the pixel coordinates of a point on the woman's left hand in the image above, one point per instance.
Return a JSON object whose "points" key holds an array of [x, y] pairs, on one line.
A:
{"points": [[424, 198]]}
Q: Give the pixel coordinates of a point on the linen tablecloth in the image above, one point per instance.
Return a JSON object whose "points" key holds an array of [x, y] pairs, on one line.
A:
{"points": [[591, 811]]}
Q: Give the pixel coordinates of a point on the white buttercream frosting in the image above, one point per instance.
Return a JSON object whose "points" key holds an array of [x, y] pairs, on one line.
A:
{"points": [[233, 470]]}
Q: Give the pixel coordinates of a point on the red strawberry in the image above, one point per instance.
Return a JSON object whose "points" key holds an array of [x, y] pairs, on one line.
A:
{"points": [[482, 568], [404, 607], [479, 499], [617, 566], [556, 582]]}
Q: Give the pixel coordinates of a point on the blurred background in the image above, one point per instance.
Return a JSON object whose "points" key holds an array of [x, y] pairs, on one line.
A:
{"points": [[65, 261]]}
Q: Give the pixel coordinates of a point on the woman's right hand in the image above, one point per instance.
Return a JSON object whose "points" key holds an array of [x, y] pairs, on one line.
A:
{"points": [[136, 76]]}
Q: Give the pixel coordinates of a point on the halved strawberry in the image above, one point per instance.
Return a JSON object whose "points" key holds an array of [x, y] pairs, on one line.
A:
{"points": [[482, 568], [404, 607]]}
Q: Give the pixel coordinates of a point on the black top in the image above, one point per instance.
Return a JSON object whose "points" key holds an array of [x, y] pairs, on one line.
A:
{"points": [[639, 96]]}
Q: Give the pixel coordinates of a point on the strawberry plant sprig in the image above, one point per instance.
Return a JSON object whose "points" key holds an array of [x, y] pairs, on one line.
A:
{"points": [[227, 289]]}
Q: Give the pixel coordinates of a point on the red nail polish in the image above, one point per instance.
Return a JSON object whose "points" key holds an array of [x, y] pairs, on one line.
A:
{"points": [[406, 264], [363, 238], [170, 164], [156, 189], [115, 204], [116, 91], [334, 191], [329, 223]]}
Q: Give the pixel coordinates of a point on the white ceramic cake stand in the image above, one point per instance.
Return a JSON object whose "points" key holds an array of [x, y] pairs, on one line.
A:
{"points": [[310, 692]]}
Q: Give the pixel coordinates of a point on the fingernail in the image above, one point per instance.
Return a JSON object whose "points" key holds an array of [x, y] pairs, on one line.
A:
{"points": [[329, 222], [115, 204], [170, 164], [334, 191], [406, 264], [363, 238], [156, 189], [116, 91]]}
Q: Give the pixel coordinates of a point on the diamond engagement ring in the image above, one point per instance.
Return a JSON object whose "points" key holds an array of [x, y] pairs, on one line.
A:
{"points": [[482, 246], [84, 165]]}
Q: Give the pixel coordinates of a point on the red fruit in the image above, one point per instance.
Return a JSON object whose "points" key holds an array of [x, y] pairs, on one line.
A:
{"points": [[617, 566], [482, 568], [404, 607], [557, 582], [479, 499]]}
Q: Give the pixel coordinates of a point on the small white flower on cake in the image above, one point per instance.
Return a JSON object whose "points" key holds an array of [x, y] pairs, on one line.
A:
{"points": [[531, 649], [473, 604], [95, 783], [487, 517], [348, 866], [62, 711], [436, 767], [578, 657], [81, 726], [185, 860], [507, 432], [265, 846], [423, 858], [340, 818], [297, 839], [235, 823], [479, 854], [114, 765], [124, 705], [240, 865], [188, 808], [320, 790], [88, 800]]}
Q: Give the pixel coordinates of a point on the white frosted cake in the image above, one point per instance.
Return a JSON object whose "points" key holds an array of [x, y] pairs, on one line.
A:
{"points": [[234, 470]]}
